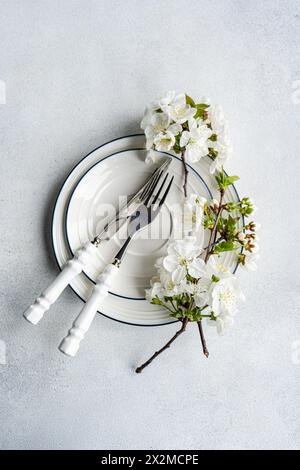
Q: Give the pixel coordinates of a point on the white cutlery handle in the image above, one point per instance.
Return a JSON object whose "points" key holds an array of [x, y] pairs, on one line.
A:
{"points": [[73, 267], [70, 344]]}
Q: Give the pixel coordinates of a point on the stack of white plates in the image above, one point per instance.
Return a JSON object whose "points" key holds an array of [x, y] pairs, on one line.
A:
{"points": [[86, 200]]}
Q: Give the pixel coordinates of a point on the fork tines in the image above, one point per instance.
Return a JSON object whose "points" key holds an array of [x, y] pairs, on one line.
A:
{"points": [[152, 196], [153, 180]]}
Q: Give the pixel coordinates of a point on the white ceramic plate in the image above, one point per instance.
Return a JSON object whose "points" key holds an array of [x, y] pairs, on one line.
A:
{"points": [[95, 200], [118, 168]]}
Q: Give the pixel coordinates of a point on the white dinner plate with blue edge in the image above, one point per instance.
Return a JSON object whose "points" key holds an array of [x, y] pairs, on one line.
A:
{"points": [[74, 219], [95, 200]]}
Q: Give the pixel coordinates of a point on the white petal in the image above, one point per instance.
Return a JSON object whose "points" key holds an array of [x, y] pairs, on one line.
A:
{"points": [[151, 157], [146, 119], [223, 323], [175, 128], [180, 100], [160, 121], [185, 136], [164, 141], [192, 153], [170, 263], [213, 167], [197, 268], [167, 99], [192, 123], [200, 299], [179, 274]]}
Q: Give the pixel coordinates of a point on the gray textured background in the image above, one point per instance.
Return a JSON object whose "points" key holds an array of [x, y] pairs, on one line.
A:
{"points": [[78, 73]]}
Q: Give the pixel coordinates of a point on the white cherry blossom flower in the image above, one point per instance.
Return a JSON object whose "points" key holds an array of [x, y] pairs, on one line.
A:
{"points": [[180, 254], [177, 109], [155, 106], [170, 287], [215, 116], [165, 100], [225, 296], [195, 141], [201, 292], [156, 290], [161, 103], [215, 267], [175, 128], [196, 268], [222, 144], [223, 148], [191, 213], [158, 123], [160, 137], [164, 141]]}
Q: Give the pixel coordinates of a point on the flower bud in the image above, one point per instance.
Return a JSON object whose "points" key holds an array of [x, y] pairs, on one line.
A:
{"points": [[242, 237]]}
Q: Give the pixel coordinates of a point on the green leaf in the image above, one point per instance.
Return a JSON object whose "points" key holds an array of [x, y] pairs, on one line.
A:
{"points": [[177, 148], [156, 301], [231, 179], [201, 110], [177, 315], [231, 206], [208, 220], [245, 207], [224, 246], [227, 227], [224, 181], [190, 101]]}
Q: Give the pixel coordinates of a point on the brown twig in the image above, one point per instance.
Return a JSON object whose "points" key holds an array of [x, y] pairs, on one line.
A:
{"points": [[208, 253], [186, 172], [139, 369], [203, 342], [214, 229]]}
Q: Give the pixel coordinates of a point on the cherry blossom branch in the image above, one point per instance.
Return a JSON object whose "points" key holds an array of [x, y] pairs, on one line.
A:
{"points": [[186, 172], [208, 253], [203, 342], [139, 369], [213, 230]]}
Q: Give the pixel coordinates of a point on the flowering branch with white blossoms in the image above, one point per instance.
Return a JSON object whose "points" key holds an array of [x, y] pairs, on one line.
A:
{"points": [[192, 283], [176, 122]]}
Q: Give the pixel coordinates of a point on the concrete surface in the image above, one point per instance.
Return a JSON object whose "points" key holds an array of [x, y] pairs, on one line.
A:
{"points": [[75, 74]]}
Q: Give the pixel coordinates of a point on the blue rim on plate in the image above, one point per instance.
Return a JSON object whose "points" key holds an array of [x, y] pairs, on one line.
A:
{"points": [[68, 203], [74, 189]]}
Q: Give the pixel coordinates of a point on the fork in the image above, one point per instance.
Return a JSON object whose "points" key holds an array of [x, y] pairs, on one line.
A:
{"points": [[83, 255], [141, 218]]}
